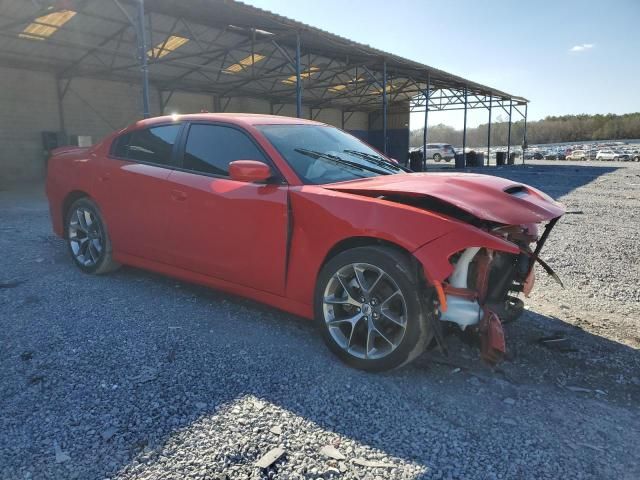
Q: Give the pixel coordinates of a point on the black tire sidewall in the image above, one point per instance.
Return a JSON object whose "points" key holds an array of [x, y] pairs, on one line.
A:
{"points": [[91, 206], [416, 334]]}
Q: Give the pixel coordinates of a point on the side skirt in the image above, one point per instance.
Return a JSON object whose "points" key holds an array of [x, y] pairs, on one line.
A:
{"points": [[281, 303]]}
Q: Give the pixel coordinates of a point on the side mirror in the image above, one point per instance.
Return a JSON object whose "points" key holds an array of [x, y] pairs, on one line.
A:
{"points": [[249, 171]]}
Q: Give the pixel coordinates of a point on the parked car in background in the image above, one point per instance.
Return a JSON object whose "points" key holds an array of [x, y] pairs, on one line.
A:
{"points": [[440, 151], [607, 155], [622, 156], [577, 155], [555, 155], [635, 156], [535, 155], [307, 218]]}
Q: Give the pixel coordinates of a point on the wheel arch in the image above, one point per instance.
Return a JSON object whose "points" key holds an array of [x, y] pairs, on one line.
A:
{"points": [[66, 204], [364, 241]]}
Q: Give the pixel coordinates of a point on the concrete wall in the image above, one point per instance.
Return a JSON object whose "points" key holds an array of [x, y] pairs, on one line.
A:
{"points": [[98, 107], [247, 105], [397, 133], [184, 102], [29, 105], [357, 121]]}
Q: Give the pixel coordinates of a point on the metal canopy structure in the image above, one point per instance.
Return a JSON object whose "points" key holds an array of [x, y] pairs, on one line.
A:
{"points": [[227, 49]]}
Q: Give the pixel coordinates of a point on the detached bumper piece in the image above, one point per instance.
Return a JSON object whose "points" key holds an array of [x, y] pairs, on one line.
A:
{"points": [[492, 344], [478, 293]]}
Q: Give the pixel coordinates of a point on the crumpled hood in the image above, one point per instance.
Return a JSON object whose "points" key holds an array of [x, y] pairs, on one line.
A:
{"points": [[485, 197]]}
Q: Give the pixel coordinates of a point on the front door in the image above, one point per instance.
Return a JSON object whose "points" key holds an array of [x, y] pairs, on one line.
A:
{"points": [[234, 231]]}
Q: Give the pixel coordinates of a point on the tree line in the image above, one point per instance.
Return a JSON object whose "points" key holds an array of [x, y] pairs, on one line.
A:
{"points": [[566, 128]]}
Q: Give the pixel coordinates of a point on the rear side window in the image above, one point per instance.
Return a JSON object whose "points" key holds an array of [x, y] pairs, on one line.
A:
{"points": [[120, 144], [210, 149], [150, 145]]}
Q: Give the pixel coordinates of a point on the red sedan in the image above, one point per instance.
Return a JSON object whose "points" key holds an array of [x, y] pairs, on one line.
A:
{"points": [[306, 218]]}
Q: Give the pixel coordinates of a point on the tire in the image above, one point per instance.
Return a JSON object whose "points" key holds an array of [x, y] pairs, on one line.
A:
{"points": [[583, 159], [403, 328], [437, 157], [88, 238]]}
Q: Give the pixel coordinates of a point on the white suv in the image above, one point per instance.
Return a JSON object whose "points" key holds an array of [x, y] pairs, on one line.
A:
{"points": [[439, 151], [578, 155], [606, 155]]}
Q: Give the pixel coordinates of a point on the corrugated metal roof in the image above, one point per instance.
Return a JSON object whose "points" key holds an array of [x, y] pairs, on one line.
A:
{"points": [[100, 42]]}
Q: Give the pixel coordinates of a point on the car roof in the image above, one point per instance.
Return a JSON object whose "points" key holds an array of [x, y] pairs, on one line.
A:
{"points": [[234, 118]]}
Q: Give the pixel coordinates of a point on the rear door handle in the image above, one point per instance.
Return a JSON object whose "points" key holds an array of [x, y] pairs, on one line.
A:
{"points": [[178, 195]]}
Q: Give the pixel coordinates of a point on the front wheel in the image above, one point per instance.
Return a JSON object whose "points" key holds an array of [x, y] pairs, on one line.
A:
{"points": [[88, 239], [369, 308]]}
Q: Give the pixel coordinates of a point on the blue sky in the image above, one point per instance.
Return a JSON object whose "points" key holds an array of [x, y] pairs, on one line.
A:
{"points": [[565, 56]]}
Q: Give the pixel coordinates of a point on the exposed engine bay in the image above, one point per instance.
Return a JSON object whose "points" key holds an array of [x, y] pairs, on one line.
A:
{"points": [[482, 292]]}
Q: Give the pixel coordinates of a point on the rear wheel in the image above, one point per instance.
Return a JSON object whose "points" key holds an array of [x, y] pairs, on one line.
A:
{"points": [[88, 239], [369, 308], [437, 157]]}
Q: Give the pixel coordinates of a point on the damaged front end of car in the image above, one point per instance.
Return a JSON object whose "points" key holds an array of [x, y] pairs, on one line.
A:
{"points": [[474, 272], [482, 291]]}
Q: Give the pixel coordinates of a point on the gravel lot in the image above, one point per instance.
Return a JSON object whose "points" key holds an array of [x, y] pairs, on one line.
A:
{"points": [[135, 375]]}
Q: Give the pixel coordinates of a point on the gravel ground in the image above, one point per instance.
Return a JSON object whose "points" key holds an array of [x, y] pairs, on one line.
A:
{"points": [[135, 375]]}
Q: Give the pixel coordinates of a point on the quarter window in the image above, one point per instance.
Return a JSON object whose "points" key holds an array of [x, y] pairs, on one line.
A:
{"points": [[210, 149], [120, 144], [152, 145]]}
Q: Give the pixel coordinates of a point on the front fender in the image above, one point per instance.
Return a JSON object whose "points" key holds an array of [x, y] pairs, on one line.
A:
{"points": [[434, 255], [321, 219]]}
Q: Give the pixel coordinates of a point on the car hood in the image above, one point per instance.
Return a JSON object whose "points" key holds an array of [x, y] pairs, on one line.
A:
{"points": [[485, 197]]}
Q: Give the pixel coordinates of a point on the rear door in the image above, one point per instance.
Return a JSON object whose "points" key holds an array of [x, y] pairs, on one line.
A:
{"points": [[234, 231], [133, 192]]}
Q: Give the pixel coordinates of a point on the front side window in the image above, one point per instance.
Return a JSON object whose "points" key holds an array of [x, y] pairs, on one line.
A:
{"points": [[211, 148], [322, 154], [149, 145]]}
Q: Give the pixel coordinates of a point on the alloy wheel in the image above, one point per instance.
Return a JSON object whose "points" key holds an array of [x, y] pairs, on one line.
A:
{"points": [[86, 237], [365, 311]]}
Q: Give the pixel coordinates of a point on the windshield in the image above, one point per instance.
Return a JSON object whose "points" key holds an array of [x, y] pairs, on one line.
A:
{"points": [[322, 154]]}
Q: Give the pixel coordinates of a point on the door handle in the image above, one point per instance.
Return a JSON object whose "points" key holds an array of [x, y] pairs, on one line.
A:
{"points": [[104, 177], [178, 195]]}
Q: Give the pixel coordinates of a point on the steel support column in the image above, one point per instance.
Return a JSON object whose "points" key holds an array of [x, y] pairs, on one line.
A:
{"points": [[384, 107], [142, 53], [426, 124], [61, 92], [489, 131], [464, 135], [509, 132], [524, 133], [298, 79]]}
